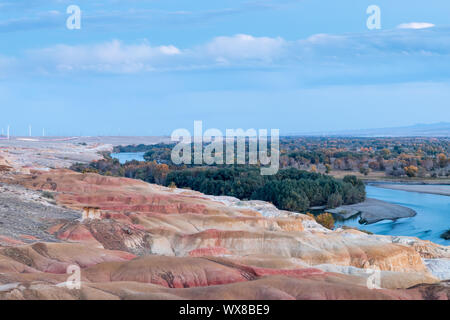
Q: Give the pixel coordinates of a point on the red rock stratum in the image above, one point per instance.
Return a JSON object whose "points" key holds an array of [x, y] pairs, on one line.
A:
{"points": [[134, 240]]}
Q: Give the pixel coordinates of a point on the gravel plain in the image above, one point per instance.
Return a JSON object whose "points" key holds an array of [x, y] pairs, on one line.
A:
{"points": [[27, 214]]}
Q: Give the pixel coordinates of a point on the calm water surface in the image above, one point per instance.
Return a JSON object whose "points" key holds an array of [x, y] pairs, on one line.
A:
{"points": [[128, 156], [432, 219]]}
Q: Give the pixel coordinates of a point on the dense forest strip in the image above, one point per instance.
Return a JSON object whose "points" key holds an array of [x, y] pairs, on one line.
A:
{"points": [[290, 189]]}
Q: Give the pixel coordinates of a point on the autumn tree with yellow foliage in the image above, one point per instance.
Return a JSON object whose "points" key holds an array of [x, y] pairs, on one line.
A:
{"points": [[411, 171]]}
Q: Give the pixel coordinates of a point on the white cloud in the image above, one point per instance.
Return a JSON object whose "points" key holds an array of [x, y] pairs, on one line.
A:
{"points": [[117, 57], [113, 56], [416, 25], [389, 55], [244, 47]]}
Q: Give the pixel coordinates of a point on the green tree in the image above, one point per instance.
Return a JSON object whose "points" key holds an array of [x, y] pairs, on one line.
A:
{"points": [[334, 201]]}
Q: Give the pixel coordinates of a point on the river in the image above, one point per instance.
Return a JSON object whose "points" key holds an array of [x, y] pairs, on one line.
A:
{"points": [[432, 219], [128, 156]]}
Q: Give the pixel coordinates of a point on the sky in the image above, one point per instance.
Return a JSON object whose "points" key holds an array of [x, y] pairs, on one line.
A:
{"points": [[148, 67]]}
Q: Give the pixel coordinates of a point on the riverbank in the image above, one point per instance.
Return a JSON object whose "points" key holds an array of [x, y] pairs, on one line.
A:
{"points": [[440, 189], [431, 221], [373, 210]]}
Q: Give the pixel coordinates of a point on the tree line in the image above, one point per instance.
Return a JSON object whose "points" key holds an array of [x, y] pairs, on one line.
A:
{"points": [[290, 189]]}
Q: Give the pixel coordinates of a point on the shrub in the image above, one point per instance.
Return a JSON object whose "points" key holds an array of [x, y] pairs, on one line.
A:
{"points": [[309, 214], [172, 185], [365, 171], [411, 171], [326, 219], [89, 170]]}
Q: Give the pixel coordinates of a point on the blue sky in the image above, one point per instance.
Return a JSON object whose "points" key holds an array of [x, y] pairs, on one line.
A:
{"points": [[147, 67]]}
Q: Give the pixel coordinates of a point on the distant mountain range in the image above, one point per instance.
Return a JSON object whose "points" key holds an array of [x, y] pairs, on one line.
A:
{"points": [[441, 129]]}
